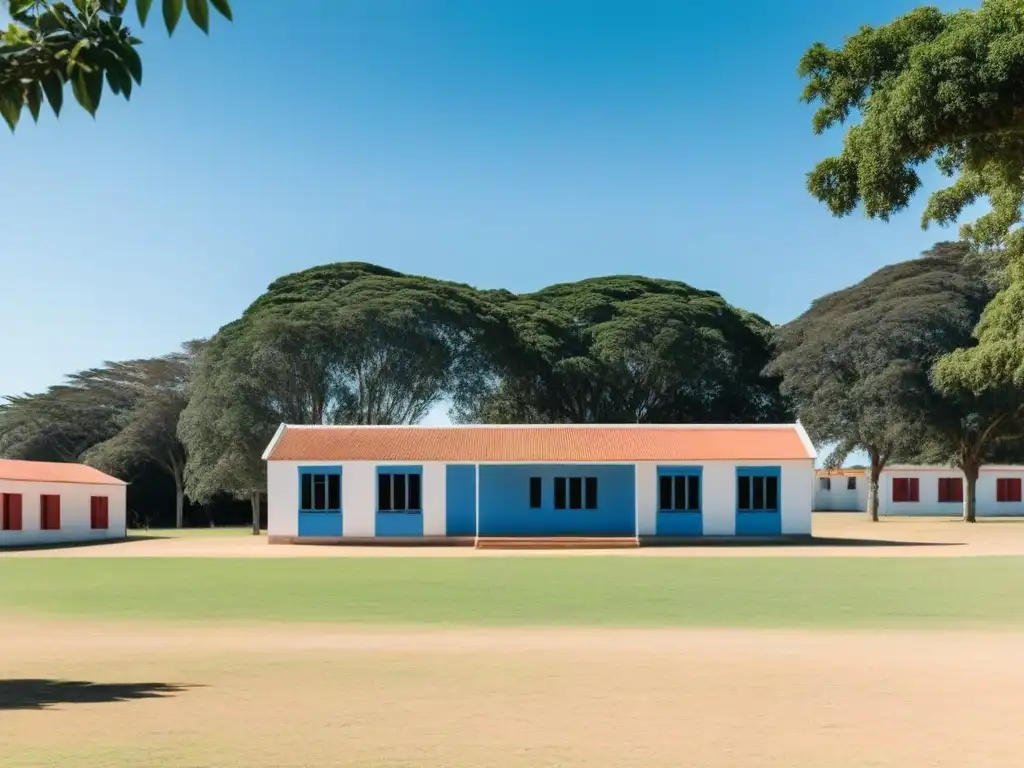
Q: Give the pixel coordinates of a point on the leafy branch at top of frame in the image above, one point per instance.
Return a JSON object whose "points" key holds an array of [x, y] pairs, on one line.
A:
{"points": [[85, 43]]}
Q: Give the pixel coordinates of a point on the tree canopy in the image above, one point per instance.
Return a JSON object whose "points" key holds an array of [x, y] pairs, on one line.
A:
{"points": [[628, 349], [85, 43], [929, 85], [857, 364], [947, 87]]}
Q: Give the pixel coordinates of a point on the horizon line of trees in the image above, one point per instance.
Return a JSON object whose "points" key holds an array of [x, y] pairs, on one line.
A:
{"points": [[355, 343]]}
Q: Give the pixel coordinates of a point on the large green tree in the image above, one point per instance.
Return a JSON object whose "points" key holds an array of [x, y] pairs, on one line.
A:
{"points": [[86, 43], [947, 87], [857, 364], [628, 349], [121, 417], [155, 391], [346, 343]]}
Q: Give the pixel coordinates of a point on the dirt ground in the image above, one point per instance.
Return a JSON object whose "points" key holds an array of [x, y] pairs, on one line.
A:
{"points": [[129, 696], [835, 533]]}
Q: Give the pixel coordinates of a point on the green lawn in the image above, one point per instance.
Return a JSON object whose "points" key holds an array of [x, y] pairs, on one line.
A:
{"points": [[610, 591]]}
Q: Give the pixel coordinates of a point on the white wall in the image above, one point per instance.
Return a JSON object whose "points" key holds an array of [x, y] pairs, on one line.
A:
{"points": [[75, 513], [839, 498], [718, 486], [928, 484], [358, 496]]}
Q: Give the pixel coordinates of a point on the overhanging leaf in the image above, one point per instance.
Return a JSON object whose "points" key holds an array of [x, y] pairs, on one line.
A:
{"points": [[172, 14], [223, 8], [10, 109], [143, 7], [199, 10], [53, 87], [81, 92], [34, 99]]}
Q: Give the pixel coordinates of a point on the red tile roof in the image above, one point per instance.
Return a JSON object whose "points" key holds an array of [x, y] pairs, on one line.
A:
{"points": [[569, 443], [53, 472]]}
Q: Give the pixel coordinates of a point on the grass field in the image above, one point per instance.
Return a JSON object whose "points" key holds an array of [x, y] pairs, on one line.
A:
{"points": [[276, 658], [550, 591]]}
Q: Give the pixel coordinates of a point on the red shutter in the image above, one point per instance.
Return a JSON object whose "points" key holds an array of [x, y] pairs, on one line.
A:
{"points": [[49, 512], [12, 511], [951, 489], [900, 491], [914, 489], [99, 513], [1008, 489]]}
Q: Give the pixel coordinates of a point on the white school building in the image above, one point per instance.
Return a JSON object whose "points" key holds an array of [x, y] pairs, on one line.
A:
{"points": [[44, 503], [464, 484], [917, 490]]}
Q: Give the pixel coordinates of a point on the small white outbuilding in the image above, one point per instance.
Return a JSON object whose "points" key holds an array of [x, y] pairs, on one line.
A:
{"points": [[45, 503]]}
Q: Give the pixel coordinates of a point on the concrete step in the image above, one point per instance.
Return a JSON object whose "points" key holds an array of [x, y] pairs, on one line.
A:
{"points": [[557, 542]]}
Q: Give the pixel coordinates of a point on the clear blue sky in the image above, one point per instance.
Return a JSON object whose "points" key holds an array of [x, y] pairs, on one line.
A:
{"points": [[511, 144]]}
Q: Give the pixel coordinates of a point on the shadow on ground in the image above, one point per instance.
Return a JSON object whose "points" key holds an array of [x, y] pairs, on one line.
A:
{"points": [[43, 694], [93, 544], [840, 541]]}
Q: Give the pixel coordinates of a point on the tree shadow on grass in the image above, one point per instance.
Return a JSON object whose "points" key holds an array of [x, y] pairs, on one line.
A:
{"points": [[44, 694]]}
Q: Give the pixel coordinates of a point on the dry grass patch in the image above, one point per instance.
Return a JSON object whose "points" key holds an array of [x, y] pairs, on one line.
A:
{"points": [[301, 696]]}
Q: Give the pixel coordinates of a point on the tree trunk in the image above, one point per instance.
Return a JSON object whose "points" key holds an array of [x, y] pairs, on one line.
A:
{"points": [[179, 503], [254, 501], [971, 472], [873, 481]]}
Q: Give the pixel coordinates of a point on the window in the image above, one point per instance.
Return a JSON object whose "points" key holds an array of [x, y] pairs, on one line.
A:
{"points": [[575, 493], [825, 483], [49, 512], [11, 509], [905, 489], [535, 493], [320, 492], [758, 493], [399, 492], [1008, 489], [679, 493], [951, 489], [99, 513], [851, 483]]}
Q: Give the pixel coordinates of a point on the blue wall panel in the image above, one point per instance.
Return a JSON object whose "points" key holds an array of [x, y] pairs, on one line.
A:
{"points": [[759, 522], [460, 500], [505, 501], [679, 522], [319, 524], [322, 522], [399, 524]]}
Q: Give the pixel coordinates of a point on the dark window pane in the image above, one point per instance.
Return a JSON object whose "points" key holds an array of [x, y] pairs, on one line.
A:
{"points": [[559, 493], [535, 493], [664, 492], [590, 496], [384, 492], [851, 483], [575, 493], [744, 492], [319, 492], [307, 492], [771, 494], [758, 485], [693, 492], [334, 492], [414, 492], [680, 492], [398, 494]]}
